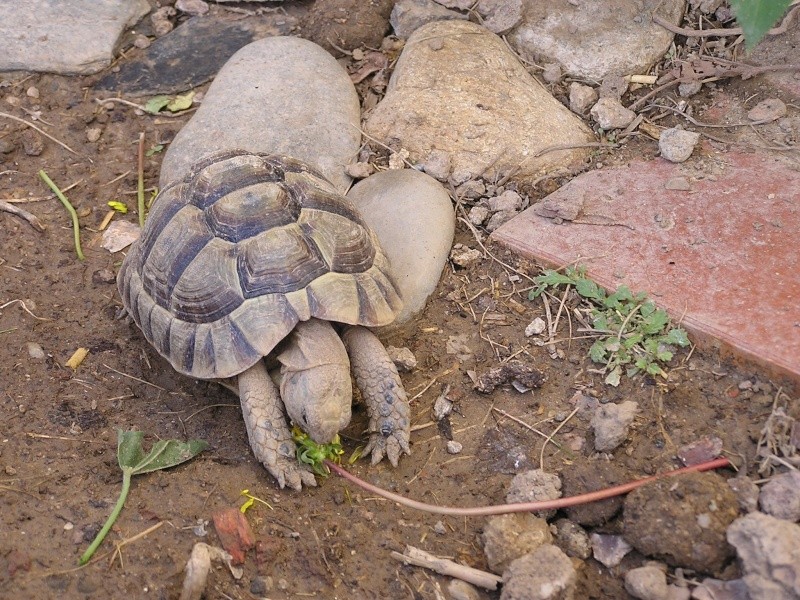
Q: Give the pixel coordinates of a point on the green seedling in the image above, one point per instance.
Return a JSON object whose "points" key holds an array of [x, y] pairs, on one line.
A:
{"points": [[133, 461], [154, 149], [314, 455], [755, 17], [118, 206], [632, 333]]}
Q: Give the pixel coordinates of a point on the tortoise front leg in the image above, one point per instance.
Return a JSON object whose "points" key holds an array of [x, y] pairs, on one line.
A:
{"points": [[380, 385], [267, 430]]}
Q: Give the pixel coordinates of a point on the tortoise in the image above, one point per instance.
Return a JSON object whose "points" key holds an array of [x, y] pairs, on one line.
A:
{"points": [[256, 255]]}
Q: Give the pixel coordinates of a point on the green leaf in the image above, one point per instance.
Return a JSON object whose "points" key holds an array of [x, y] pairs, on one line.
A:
{"points": [[655, 322], [678, 337], [755, 17], [552, 278], [154, 149], [163, 455], [118, 206], [180, 103], [664, 355], [647, 308], [632, 340], [154, 105], [654, 369], [598, 351], [589, 289]]}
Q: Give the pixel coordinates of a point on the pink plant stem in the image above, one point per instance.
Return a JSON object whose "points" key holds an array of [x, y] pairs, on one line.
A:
{"points": [[524, 506]]}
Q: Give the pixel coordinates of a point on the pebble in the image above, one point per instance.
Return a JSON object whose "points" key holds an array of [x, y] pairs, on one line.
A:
{"points": [[780, 497], [104, 276], [689, 88], [141, 41], [535, 327], [581, 97], [439, 528], [500, 218], [715, 589], [32, 143], [500, 16], [588, 477], [770, 109], [32, 92], [359, 170], [572, 539], [457, 4], [260, 586], [10, 470], [552, 73], [437, 165], [454, 447], [161, 20], [535, 485], [677, 145], [506, 201], [609, 550], [507, 537], [647, 583], [409, 15], [461, 590], [592, 41], [192, 7], [695, 508], [93, 134], [545, 574], [394, 203], [280, 94], [478, 214], [35, 350], [769, 552], [746, 492], [609, 113], [703, 450], [611, 422], [474, 188], [464, 257], [613, 86], [6, 146], [403, 358], [476, 101]]}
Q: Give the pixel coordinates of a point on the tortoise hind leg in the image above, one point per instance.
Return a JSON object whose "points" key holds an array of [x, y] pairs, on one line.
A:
{"points": [[267, 430], [380, 385]]}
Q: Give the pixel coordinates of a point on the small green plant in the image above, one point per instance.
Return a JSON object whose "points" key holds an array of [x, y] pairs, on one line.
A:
{"points": [[133, 461], [633, 334], [755, 17], [313, 454]]}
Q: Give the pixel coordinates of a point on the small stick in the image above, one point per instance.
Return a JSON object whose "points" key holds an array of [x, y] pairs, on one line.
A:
{"points": [[59, 437], [420, 558], [138, 536], [552, 435], [501, 509], [30, 218], [787, 20], [70, 209], [42, 198], [32, 126], [158, 387], [25, 308], [521, 422], [140, 188]]}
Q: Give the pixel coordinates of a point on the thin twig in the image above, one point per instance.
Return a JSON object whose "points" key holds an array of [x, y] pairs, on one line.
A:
{"points": [[25, 308], [520, 422], [44, 133], [550, 437], [158, 387], [522, 506], [24, 214], [787, 20]]}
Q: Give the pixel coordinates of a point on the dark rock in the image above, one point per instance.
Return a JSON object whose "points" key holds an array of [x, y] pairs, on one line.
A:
{"points": [[584, 477]]}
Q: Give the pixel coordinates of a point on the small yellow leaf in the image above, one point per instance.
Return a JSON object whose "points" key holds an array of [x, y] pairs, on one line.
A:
{"points": [[181, 102], [118, 206]]}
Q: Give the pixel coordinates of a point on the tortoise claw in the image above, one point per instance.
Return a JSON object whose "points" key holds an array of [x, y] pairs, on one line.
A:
{"points": [[392, 446]]}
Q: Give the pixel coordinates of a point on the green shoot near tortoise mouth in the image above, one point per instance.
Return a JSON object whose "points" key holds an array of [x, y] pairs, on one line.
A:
{"points": [[313, 454]]}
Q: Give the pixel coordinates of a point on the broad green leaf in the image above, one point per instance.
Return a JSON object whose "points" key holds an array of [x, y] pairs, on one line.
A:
{"points": [[180, 103], [664, 355], [677, 336], [647, 308], [598, 352], [632, 340], [654, 369], [612, 345], [163, 455], [154, 105], [655, 322], [552, 278], [755, 17], [589, 289]]}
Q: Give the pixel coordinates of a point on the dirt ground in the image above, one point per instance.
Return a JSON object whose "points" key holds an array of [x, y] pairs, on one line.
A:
{"points": [[58, 473]]}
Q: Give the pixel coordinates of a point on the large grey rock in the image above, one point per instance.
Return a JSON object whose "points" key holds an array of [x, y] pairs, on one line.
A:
{"points": [[77, 37], [413, 216], [282, 94], [769, 549], [458, 89], [510, 536], [780, 497], [409, 15], [545, 574], [594, 39]]}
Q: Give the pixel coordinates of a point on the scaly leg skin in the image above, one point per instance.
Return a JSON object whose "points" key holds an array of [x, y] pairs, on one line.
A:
{"points": [[380, 385], [267, 430]]}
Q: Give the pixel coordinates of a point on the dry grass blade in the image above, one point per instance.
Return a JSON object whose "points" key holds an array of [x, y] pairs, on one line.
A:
{"points": [[44, 133], [24, 214]]}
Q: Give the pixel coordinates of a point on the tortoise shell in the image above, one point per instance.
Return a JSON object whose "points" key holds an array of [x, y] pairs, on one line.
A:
{"points": [[239, 251]]}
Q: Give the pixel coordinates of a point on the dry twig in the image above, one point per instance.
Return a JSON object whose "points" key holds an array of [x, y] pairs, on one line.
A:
{"points": [[24, 214]]}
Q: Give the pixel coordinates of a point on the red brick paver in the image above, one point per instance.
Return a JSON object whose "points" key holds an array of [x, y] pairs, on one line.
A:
{"points": [[724, 255]]}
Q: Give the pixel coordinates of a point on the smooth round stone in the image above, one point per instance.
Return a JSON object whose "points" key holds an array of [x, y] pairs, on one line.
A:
{"points": [[413, 217], [281, 95]]}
